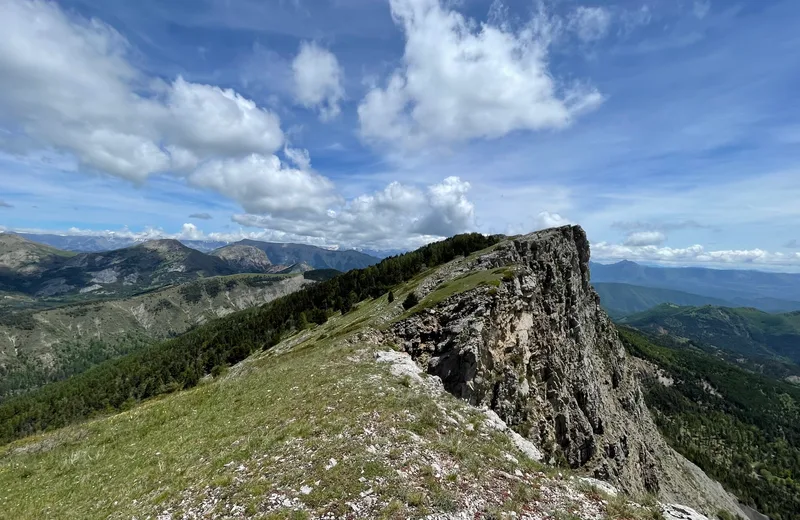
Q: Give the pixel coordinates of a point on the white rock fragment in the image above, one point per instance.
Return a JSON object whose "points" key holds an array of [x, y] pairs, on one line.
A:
{"points": [[605, 487], [524, 445], [509, 457], [401, 365], [331, 464], [679, 512], [305, 490]]}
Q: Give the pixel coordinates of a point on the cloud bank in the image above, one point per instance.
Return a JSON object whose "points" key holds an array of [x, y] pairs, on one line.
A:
{"points": [[67, 83], [696, 254]]}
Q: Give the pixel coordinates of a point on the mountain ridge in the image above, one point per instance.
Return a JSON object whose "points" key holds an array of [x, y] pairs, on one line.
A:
{"points": [[512, 324]]}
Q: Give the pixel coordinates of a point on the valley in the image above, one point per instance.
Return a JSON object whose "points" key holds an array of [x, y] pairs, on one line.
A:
{"points": [[37, 347]]}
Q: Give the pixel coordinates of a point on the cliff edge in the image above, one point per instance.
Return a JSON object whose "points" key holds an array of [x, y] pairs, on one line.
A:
{"points": [[537, 349]]}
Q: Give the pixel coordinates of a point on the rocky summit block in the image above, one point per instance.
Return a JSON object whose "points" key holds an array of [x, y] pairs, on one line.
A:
{"points": [[535, 347]]}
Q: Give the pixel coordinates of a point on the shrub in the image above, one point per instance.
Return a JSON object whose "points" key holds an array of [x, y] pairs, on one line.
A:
{"points": [[410, 301], [391, 296]]}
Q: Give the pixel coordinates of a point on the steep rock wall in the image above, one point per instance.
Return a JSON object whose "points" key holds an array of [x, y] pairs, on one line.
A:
{"points": [[541, 353]]}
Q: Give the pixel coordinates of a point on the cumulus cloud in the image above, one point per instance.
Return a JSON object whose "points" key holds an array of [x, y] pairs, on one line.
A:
{"points": [[66, 83], [208, 120], [263, 184], [693, 255], [590, 23], [4, 204], [645, 238], [318, 80], [201, 216], [191, 232], [545, 220], [462, 80], [397, 216]]}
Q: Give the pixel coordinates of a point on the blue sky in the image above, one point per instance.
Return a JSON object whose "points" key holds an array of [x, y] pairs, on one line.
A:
{"points": [[668, 129]]}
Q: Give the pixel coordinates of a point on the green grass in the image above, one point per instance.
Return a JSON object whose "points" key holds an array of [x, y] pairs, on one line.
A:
{"points": [[489, 278], [280, 415]]}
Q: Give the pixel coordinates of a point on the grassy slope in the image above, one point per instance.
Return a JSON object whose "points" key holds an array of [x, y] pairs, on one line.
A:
{"points": [[259, 441], [170, 453], [746, 331]]}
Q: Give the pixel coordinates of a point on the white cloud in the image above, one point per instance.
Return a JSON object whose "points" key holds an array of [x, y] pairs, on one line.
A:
{"points": [[695, 254], [66, 83], [262, 184], [4, 204], [590, 23], [461, 80], [318, 80], [299, 157], [191, 232], [545, 220], [633, 19], [211, 121], [645, 238], [397, 216], [201, 216]]}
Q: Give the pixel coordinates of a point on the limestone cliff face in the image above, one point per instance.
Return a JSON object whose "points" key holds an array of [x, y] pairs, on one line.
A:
{"points": [[540, 352]]}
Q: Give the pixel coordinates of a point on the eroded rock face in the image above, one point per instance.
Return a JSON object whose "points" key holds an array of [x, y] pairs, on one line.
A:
{"points": [[541, 353]]}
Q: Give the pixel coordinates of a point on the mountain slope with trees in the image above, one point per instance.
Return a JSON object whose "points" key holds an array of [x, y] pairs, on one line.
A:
{"points": [[37, 347], [741, 428], [749, 332]]}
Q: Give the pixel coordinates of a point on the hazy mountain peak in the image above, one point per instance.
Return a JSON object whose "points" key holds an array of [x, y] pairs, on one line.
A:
{"points": [[164, 245]]}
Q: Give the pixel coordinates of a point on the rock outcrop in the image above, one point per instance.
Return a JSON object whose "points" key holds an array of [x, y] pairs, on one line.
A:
{"points": [[538, 350], [244, 257]]}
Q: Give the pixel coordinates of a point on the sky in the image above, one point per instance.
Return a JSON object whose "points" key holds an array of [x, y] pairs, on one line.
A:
{"points": [[668, 129]]}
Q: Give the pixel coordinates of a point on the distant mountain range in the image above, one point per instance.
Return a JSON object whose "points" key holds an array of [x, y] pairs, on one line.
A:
{"points": [[42, 273], [622, 299], [770, 292], [96, 244], [316, 257], [278, 253]]}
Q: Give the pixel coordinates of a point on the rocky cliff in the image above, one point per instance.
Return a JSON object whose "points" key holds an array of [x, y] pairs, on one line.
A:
{"points": [[531, 343]]}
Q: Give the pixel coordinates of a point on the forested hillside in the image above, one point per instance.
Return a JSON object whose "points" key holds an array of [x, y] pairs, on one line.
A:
{"points": [[37, 347], [741, 428], [181, 362], [750, 332]]}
